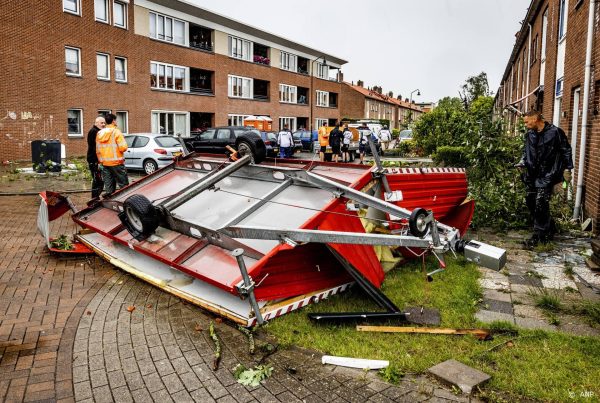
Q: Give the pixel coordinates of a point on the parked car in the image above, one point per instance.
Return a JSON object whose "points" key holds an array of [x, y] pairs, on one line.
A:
{"points": [[405, 135], [150, 151], [216, 139], [306, 138], [270, 140]]}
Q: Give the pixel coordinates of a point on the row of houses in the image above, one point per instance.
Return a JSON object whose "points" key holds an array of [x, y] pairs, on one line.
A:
{"points": [[552, 69], [162, 66]]}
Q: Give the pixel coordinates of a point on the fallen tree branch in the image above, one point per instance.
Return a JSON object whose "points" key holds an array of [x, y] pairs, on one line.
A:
{"points": [[213, 335]]}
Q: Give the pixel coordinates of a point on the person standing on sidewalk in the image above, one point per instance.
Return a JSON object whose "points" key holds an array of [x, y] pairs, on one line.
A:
{"points": [[363, 141], [323, 141], [385, 137], [92, 159], [285, 141], [335, 141], [546, 156], [346, 144], [110, 146]]}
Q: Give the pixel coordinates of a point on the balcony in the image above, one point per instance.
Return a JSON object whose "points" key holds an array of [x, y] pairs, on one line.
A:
{"points": [[201, 81], [261, 54], [201, 38], [261, 90], [303, 96], [303, 65]]}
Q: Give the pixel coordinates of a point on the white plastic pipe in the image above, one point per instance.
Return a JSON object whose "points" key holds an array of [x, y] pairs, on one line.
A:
{"points": [[528, 68], [584, 115], [354, 362]]}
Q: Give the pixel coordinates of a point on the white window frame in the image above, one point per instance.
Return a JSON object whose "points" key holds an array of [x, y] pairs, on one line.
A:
{"points": [[170, 67], [288, 94], [563, 9], [238, 81], [78, 6], [246, 48], [154, 34], [80, 134], [125, 69], [123, 3], [289, 62], [236, 120], [291, 122], [78, 50], [107, 58], [124, 128], [96, 8], [155, 114], [544, 33], [559, 87], [322, 98], [323, 71], [320, 122]]}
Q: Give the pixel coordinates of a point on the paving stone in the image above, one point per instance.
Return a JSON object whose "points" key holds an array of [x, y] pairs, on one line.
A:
{"points": [[141, 396], [524, 279], [459, 374], [102, 394], [530, 323], [494, 285], [497, 295], [491, 316], [528, 311], [497, 306], [122, 394], [202, 396]]}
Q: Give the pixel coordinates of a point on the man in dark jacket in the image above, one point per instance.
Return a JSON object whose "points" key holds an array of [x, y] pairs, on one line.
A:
{"points": [[92, 159], [335, 141], [546, 155]]}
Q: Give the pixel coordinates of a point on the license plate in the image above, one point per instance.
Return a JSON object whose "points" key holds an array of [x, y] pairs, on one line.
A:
{"points": [[276, 149], [177, 153]]}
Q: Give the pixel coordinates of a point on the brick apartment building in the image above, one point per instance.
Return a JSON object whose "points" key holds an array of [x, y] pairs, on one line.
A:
{"points": [[359, 102], [160, 65], [547, 71]]}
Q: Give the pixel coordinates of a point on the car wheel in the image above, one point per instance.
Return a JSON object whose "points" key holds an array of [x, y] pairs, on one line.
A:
{"points": [[139, 216], [253, 146], [150, 166]]}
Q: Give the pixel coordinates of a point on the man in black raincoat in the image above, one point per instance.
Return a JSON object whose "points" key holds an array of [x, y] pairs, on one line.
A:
{"points": [[546, 156]]}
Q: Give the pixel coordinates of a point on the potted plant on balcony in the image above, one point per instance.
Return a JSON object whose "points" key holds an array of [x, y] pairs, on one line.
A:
{"points": [[261, 60]]}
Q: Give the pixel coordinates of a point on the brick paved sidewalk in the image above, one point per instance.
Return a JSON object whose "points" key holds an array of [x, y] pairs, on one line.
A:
{"points": [[66, 335]]}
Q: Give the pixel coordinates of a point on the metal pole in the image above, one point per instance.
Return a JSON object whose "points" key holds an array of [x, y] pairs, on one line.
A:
{"points": [[248, 288], [380, 169]]}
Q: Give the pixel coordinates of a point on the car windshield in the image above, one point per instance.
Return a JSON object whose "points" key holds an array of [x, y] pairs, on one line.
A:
{"points": [[167, 141], [272, 136], [297, 135]]}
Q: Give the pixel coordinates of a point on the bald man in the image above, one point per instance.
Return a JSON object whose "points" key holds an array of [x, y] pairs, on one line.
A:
{"points": [[92, 159]]}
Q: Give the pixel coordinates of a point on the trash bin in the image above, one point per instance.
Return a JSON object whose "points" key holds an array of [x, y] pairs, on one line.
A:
{"points": [[45, 155]]}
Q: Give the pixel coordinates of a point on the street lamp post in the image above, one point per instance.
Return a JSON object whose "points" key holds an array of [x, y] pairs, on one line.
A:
{"points": [[412, 92]]}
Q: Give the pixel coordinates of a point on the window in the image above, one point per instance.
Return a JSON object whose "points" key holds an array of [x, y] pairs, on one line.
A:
{"points": [[236, 120], [290, 122], [287, 93], [534, 49], [322, 98], [559, 87], [120, 14], [171, 123], [101, 10], [103, 112], [73, 61], [322, 71], [544, 31], [74, 122], [168, 76], [102, 63], [562, 20], [167, 29], [288, 61], [72, 6], [240, 48], [320, 122], [122, 121], [240, 87], [121, 69]]}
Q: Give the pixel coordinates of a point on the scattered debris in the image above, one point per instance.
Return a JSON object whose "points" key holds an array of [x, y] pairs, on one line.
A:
{"points": [[481, 334], [149, 306], [252, 377], [88, 312], [354, 362], [131, 308], [459, 374], [267, 349], [213, 335], [198, 327], [250, 337], [62, 243]]}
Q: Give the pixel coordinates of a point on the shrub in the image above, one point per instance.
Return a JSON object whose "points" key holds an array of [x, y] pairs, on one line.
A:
{"points": [[451, 156], [406, 148]]}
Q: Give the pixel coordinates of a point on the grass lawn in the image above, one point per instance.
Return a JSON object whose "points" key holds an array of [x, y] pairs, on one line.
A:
{"points": [[537, 364]]}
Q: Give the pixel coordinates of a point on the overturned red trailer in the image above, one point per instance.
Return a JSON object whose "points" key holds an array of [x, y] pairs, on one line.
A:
{"points": [[254, 241]]}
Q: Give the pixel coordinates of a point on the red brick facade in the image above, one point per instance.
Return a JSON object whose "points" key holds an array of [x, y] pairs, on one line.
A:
{"points": [[37, 92], [511, 88]]}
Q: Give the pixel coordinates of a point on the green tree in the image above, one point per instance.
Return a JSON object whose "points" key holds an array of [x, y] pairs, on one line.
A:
{"points": [[473, 88]]}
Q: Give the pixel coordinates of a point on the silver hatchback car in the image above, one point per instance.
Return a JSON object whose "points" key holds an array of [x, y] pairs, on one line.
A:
{"points": [[149, 151]]}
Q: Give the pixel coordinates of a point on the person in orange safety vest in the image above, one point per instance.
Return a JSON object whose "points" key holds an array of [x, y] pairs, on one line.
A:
{"points": [[110, 146]]}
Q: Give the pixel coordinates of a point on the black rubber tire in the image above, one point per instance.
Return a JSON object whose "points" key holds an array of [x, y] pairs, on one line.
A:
{"points": [[415, 227], [141, 214], [255, 144], [149, 162]]}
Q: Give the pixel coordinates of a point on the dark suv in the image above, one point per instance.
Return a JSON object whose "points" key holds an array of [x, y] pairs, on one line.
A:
{"points": [[216, 139]]}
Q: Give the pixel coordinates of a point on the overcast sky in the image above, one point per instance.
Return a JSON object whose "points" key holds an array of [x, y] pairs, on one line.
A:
{"points": [[431, 45]]}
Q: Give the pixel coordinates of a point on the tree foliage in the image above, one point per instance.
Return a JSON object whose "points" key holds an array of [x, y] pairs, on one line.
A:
{"points": [[463, 133]]}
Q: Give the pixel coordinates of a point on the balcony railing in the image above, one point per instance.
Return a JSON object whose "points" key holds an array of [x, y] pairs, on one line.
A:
{"points": [[199, 90], [258, 97], [201, 46]]}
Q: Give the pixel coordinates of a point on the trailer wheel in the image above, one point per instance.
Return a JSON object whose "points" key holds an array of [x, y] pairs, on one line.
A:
{"points": [[416, 223], [252, 144], [140, 214]]}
